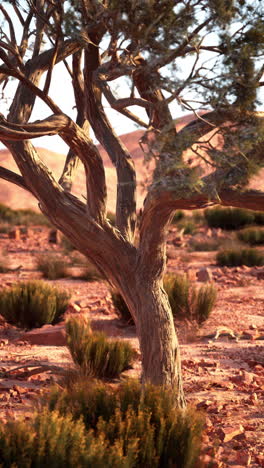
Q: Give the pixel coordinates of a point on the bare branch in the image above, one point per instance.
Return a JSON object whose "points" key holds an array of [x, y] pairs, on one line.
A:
{"points": [[126, 189], [16, 179]]}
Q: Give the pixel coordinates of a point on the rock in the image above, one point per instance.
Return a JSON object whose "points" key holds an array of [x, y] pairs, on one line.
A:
{"points": [[14, 234], [204, 275], [54, 236], [260, 275], [48, 335], [73, 309], [229, 432]]}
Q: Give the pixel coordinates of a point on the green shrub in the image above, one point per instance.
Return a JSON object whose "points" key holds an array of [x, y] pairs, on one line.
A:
{"points": [[32, 304], [238, 257], [122, 310], [90, 273], [52, 267], [188, 225], [204, 245], [24, 216], [186, 301], [94, 353], [67, 245], [146, 425], [228, 218], [50, 439], [251, 236], [178, 215]]}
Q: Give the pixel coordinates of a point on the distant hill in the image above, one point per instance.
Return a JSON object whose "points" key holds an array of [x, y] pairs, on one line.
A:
{"points": [[16, 197]]}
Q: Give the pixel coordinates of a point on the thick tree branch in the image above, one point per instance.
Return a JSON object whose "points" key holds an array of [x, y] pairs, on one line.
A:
{"points": [[11, 176], [126, 189]]}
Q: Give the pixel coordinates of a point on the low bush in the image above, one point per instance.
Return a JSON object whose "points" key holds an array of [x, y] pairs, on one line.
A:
{"points": [[22, 216], [32, 304], [204, 245], [50, 439], [67, 245], [52, 267], [238, 257], [94, 353], [251, 236], [90, 273], [146, 426], [122, 310], [231, 218], [178, 215], [188, 225], [188, 302]]}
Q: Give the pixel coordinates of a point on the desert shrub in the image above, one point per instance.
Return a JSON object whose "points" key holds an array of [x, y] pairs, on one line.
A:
{"points": [[66, 244], [22, 216], [178, 215], [188, 302], [146, 425], [237, 257], [122, 310], [50, 439], [90, 273], [32, 304], [94, 353], [259, 218], [52, 267], [252, 236], [188, 225], [228, 218], [207, 245]]}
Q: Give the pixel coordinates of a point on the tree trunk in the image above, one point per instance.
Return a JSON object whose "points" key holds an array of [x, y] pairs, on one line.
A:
{"points": [[159, 345]]}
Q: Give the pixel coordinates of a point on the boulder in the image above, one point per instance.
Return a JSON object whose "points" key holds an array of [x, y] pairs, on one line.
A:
{"points": [[204, 275], [48, 335]]}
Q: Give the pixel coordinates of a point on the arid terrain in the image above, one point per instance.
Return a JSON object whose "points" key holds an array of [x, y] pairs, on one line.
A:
{"points": [[222, 361]]}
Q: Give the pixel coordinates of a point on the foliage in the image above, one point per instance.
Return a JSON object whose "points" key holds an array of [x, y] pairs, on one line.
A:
{"points": [[90, 273], [94, 353], [238, 257], [232, 218], [252, 236], [121, 307], [186, 301], [178, 216], [32, 304], [228, 218], [50, 439], [207, 245], [67, 245], [19, 217], [52, 267], [148, 428]]}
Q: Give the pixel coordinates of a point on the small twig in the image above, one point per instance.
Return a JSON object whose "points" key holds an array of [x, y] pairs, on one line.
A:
{"points": [[38, 369]]}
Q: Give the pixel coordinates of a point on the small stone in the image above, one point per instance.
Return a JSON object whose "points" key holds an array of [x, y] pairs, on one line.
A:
{"points": [[192, 274], [54, 236], [229, 432], [73, 308], [52, 335], [204, 275], [14, 234]]}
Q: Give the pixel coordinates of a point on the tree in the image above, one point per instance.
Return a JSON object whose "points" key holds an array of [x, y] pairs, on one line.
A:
{"points": [[219, 44]]}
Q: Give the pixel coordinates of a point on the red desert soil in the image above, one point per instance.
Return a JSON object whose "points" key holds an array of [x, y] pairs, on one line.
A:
{"points": [[223, 376]]}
